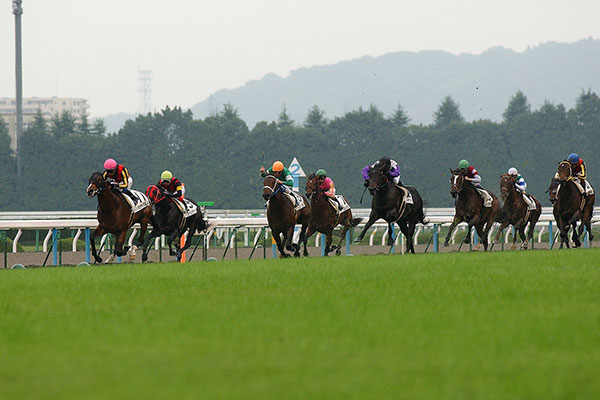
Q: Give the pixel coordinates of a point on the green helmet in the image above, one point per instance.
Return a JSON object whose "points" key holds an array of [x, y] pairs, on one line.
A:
{"points": [[463, 164], [321, 172], [166, 176]]}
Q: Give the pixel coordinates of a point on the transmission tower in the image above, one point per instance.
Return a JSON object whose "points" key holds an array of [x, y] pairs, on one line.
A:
{"points": [[145, 80]]}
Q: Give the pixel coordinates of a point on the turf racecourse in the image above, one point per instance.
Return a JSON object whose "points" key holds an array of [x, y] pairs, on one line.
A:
{"points": [[511, 325]]}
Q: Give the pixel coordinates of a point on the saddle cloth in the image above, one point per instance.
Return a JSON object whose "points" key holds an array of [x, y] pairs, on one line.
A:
{"points": [[141, 200], [341, 202], [485, 195], [296, 200], [187, 208], [589, 190], [529, 201], [408, 199]]}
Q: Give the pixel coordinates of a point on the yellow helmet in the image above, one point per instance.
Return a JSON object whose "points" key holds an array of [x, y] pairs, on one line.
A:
{"points": [[166, 176], [277, 166]]}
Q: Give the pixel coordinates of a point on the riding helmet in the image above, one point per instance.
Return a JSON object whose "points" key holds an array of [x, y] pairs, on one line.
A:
{"points": [[321, 172], [463, 164], [573, 158], [513, 171], [110, 164], [166, 176], [277, 166]]}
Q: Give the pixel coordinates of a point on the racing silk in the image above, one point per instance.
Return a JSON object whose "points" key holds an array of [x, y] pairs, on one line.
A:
{"points": [[286, 176], [175, 187], [393, 172], [578, 170], [121, 176], [474, 175], [328, 187], [520, 183]]}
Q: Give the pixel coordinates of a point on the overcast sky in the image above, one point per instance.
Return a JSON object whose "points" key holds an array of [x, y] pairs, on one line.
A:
{"points": [[93, 49]]}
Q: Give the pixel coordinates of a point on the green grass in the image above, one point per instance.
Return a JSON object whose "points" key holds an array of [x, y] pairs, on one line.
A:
{"points": [[455, 326]]}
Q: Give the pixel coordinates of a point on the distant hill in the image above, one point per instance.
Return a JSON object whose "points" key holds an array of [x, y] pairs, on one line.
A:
{"points": [[481, 84]]}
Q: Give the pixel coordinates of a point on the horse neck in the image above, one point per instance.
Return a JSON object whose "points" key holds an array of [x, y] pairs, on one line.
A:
{"points": [[108, 201], [467, 192], [512, 196], [382, 196], [566, 193]]}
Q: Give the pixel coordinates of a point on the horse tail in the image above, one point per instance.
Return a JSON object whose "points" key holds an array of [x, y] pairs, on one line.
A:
{"points": [[355, 222]]}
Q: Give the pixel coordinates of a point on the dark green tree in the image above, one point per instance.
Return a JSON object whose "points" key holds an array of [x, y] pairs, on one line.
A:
{"points": [[83, 126], [315, 118], [399, 117], [447, 113], [518, 105], [284, 120]]}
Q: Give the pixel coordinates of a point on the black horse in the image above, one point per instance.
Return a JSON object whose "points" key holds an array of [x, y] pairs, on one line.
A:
{"points": [[168, 220], [389, 204]]}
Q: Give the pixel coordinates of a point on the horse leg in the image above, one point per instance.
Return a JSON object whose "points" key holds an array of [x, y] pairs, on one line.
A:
{"points": [[455, 222], [146, 245], [277, 237], [372, 218], [576, 235], [329, 239], [120, 248], [524, 242], [346, 226], [408, 230], [170, 240], [502, 226], [143, 227], [97, 232], [309, 231]]}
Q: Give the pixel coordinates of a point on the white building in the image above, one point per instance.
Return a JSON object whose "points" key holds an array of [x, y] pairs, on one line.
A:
{"points": [[48, 105]]}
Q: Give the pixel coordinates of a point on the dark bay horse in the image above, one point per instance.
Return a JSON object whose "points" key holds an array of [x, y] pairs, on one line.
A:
{"points": [[570, 206], [114, 216], [388, 204], [168, 220], [323, 217], [514, 212], [469, 208], [283, 218]]}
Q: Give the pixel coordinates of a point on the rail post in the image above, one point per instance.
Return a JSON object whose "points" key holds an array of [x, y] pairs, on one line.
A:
{"points": [[393, 237], [273, 246], [550, 235], [436, 245], [348, 242], [54, 248], [322, 245], [87, 245]]}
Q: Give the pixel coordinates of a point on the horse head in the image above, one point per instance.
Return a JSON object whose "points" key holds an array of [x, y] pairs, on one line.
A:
{"points": [[270, 187], [96, 184], [155, 194], [457, 181], [507, 182], [377, 179], [564, 171], [554, 184], [312, 186]]}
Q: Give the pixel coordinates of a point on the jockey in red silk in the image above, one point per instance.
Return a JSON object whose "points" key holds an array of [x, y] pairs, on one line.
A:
{"points": [[117, 176], [472, 174], [171, 185]]}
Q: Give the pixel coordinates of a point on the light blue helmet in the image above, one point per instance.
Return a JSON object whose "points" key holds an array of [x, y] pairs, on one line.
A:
{"points": [[573, 158]]}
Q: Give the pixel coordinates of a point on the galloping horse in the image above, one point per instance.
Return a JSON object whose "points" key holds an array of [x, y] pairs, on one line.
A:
{"points": [[570, 206], [469, 208], [282, 217], [515, 212], [170, 221], [115, 216], [323, 217], [389, 204]]}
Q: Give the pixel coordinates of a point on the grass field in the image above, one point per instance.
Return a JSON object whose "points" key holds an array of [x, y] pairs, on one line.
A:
{"points": [[512, 325]]}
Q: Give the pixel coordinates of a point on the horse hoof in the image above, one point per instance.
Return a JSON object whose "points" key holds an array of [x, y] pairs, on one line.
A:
{"points": [[98, 260], [338, 252], [144, 258], [357, 240], [446, 243]]}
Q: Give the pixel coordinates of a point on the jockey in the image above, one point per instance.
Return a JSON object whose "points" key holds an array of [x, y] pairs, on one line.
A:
{"points": [[472, 175], [171, 185], [118, 177], [326, 184], [521, 186], [390, 166], [283, 175], [579, 173]]}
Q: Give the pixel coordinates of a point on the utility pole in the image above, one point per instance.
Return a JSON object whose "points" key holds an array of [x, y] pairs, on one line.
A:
{"points": [[18, 10]]}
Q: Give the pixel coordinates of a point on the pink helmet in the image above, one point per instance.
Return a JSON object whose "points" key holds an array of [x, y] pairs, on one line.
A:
{"points": [[110, 164]]}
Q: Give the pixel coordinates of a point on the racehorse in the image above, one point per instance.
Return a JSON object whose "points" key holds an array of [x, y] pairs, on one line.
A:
{"points": [[115, 216], [170, 221], [515, 212], [570, 206], [389, 204], [324, 218], [469, 207], [282, 217]]}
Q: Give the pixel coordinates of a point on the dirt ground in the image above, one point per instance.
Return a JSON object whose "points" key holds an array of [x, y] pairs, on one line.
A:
{"points": [[74, 258]]}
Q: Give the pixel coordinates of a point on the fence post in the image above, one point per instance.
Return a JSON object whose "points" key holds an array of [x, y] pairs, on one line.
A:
{"points": [[348, 242], [54, 248], [87, 245], [436, 247], [273, 246], [550, 235], [322, 245], [393, 236]]}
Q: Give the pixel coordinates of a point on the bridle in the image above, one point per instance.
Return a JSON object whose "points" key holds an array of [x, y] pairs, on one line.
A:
{"points": [[568, 164], [99, 188], [453, 180], [277, 187]]}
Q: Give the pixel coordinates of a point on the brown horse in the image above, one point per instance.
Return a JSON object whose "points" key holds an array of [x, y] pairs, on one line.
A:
{"points": [[470, 209], [323, 217], [388, 204], [114, 216], [283, 218], [514, 212], [570, 206]]}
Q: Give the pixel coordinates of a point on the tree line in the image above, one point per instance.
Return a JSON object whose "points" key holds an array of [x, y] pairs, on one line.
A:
{"points": [[218, 157]]}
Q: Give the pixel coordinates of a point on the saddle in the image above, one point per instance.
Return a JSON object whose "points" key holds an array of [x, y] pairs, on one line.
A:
{"points": [[296, 199], [341, 205], [485, 195], [136, 200]]}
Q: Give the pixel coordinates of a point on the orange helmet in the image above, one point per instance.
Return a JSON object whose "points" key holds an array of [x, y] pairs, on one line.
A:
{"points": [[277, 166]]}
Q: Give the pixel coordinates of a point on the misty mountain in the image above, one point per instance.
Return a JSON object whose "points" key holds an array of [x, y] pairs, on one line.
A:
{"points": [[482, 84]]}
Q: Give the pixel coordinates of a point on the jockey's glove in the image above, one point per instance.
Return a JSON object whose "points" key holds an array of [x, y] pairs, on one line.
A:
{"points": [[366, 183]]}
